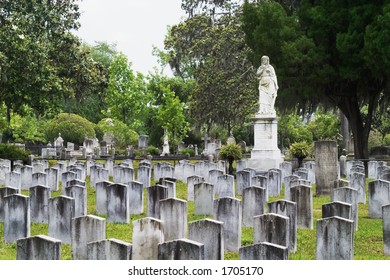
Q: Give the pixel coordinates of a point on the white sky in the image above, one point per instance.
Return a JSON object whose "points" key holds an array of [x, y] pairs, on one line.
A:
{"points": [[135, 25]]}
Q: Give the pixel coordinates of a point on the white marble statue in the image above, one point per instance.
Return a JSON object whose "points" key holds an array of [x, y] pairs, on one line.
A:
{"points": [[166, 144], [268, 87]]}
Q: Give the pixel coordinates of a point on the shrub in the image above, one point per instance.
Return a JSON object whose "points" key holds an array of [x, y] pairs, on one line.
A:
{"points": [[231, 152], [73, 128], [188, 151], [152, 150], [9, 151], [123, 135], [300, 150]]}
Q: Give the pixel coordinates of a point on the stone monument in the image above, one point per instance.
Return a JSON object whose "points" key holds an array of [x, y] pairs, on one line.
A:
{"points": [[166, 144], [265, 153]]}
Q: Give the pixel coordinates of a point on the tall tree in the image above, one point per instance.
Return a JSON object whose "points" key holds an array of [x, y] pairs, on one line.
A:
{"points": [[209, 47], [35, 41], [126, 94], [328, 54]]}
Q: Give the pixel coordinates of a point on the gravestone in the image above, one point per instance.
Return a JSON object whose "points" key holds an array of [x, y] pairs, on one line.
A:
{"points": [[39, 178], [79, 193], [212, 177], [272, 228], [98, 175], [343, 166], [109, 249], [65, 177], [147, 234], [286, 168], [109, 165], [253, 204], [155, 194], [203, 199], [229, 211], [357, 181], [16, 217], [274, 182], [173, 213], [191, 182], [39, 247], [224, 186], [118, 206], [302, 196], [261, 181], [101, 197], [264, 251], [372, 169], [325, 166], [53, 179], [240, 165], [39, 204], [61, 213], [378, 196], [334, 239], [13, 179], [181, 249], [136, 197], [337, 208], [86, 229], [348, 195], [287, 185], [5, 191], [170, 184], [123, 175], [144, 175], [26, 177], [243, 180], [339, 184], [386, 228], [210, 233], [288, 209]]}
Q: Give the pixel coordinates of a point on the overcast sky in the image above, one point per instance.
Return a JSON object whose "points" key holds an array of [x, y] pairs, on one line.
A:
{"points": [[135, 25]]}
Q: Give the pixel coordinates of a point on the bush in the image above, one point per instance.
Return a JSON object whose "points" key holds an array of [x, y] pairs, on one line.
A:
{"points": [[123, 135], [152, 150], [9, 151], [231, 152], [73, 128], [300, 149], [188, 151]]}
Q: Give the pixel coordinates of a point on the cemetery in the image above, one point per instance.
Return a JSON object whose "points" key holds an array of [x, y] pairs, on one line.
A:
{"points": [[238, 156]]}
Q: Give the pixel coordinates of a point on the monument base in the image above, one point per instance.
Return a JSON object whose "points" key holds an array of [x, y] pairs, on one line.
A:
{"points": [[265, 154]]}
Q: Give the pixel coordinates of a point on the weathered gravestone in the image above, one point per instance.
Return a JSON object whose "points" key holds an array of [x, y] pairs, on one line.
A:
{"points": [[334, 239], [39, 204], [181, 249], [101, 197], [348, 195], [16, 217], [13, 179], [272, 228], [123, 175], [378, 196], [325, 166], [144, 175], [229, 211], [26, 174], [243, 180], [147, 234], [118, 204], [203, 199], [173, 213], [109, 249], [357, 181], [288, 209], [337, 208], [224, 186], [79, 193], [98, 175], [61, 212], [253, 204], [39, 247], [302, 196], [155, 194], [386, 228], [52, 179], [210, 233], [264, 251], [86, 229], [287, 185], [191, 182], [136, 197], [5, 191], [39, 179]]}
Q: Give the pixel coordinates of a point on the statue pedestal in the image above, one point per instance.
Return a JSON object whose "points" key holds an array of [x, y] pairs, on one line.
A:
{"points": [[265, 154]]}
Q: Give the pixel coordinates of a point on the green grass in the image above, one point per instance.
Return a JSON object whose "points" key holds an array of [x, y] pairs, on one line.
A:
{"points": [[368, 240]]}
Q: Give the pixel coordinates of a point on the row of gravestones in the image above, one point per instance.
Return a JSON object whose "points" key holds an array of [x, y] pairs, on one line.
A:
{"points": [[305, 188]]}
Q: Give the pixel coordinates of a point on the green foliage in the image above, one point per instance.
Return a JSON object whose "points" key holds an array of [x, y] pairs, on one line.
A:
{"points": [[123, 135], [28, 129], [301, 149], [231, 151], [170, 115], [188, 151], [126, 93], [324, 126], [291, 129], [9, 151], [386, 140], [73, 128], [152, 150]]}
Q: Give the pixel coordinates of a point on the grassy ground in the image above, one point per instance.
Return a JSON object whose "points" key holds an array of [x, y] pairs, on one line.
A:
{"points": [[368, 240]]}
